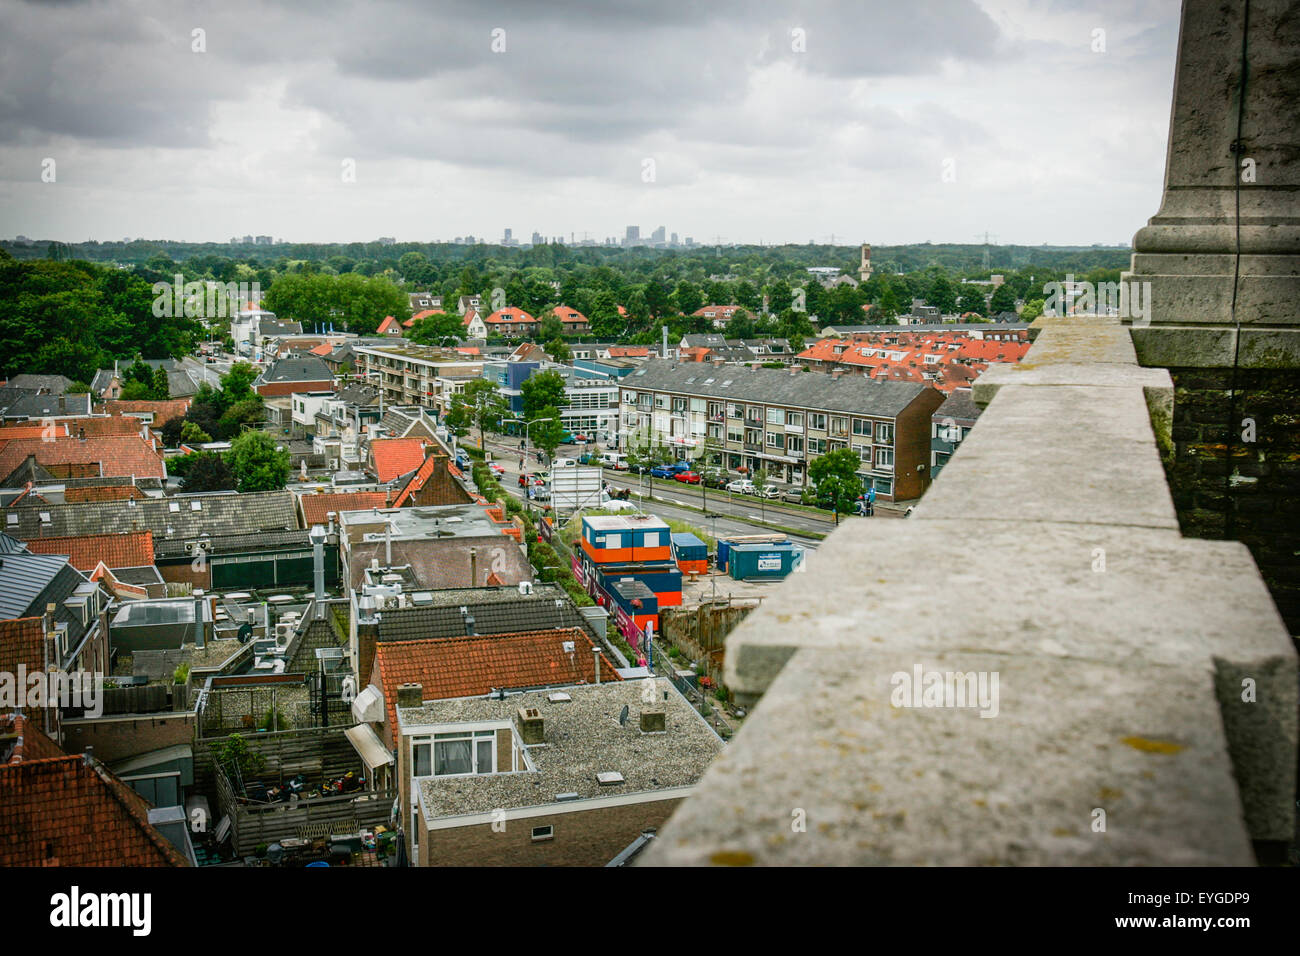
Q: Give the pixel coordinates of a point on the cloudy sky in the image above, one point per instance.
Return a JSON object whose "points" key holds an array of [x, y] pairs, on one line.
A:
{"points": [[744, 120]]}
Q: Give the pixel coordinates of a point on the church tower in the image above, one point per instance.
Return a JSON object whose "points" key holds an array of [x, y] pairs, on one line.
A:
{"points": [[864, 270]]}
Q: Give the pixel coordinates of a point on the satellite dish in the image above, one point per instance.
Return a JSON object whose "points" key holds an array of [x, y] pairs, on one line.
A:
{"points": [[622, 717], [245, 632]]}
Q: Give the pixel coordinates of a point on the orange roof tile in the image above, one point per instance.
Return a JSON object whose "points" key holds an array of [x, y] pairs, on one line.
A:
{"points": [[162, 410], [508, 316], [389, 324], [10, 432], [126, 549], [113, 456], [67, 811], [473, 666], [393, 457], [316, 508], [101, 493], [22, 641], [30, 743]]}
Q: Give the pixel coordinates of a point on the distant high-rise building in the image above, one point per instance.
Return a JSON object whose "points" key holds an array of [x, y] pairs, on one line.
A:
{"points": [[508, 239], [673, 239], [537, 238], [263, 240], [658, 235]]}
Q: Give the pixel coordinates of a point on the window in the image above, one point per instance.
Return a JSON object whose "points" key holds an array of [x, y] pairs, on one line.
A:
{"points": [[735, 433], [793, 444], [862, 427], [541, 834], [420, 759], [735, 411], [864, 453], [793, 420], [884, 458], [774, 440], [817, 446], [775, 416], [464, 753], [817, 421], [884, 434], [839, 426]]}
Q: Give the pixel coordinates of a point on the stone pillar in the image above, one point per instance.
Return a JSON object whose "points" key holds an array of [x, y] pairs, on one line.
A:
{"points": [[1229, 144]]}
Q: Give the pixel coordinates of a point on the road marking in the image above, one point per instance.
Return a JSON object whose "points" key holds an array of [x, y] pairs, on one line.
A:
{"points": [[754, 518]]}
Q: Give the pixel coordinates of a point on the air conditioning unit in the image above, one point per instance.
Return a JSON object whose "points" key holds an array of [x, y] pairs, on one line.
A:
{"points": [[283, 633]]}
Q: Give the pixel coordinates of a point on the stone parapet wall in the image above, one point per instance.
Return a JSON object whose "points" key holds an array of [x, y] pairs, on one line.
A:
{"points": [[1139, 699]]}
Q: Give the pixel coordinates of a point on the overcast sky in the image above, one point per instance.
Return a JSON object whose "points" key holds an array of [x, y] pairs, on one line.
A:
{"points": [[888, 122]]}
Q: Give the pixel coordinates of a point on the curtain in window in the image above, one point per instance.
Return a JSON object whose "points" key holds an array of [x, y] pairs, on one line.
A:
{"points": [[452, 756]]}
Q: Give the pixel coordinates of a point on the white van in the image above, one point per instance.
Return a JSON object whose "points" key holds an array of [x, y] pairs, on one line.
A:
{"points": [[615, 460]]}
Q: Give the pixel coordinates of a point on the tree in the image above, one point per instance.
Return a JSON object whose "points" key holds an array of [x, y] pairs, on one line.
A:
{"points": [[740, 325], [1004, 300], [542, 390], [550, 328], [558, 350], [192, 434], [480, 405], [436, 329], [172, 430], [257, 463], [547, 435], [249, 411], [237, 384], [136, 392], [836, 477], [688, 297], [208, 471], [161, 388], [942, 295], [1032, 310]]}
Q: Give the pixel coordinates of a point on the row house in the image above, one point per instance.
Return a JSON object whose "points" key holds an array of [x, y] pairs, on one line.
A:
{"points": [[416, 375], [743, 420]]}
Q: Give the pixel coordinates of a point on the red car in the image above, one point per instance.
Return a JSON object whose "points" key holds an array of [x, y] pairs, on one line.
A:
{"points": [[688, 477]]}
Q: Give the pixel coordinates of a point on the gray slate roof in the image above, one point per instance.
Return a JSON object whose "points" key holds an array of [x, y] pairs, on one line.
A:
{"points": [[28, 582], [299, 368], [812, 390], [959, 406], [26, 403], [55, 384], [496, 610], [219, 514]]}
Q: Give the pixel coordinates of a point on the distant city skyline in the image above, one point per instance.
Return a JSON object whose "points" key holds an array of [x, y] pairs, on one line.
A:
{"points": [[1039, 122]]}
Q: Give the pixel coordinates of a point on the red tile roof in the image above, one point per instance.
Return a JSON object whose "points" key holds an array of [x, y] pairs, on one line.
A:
{"points": [[389, 324], [566, 314], [67, 811], [316, 508], [101, 493], [473, 666], [109, 425], [162, 410], [10, 432], [29, 742], [22, 641], [628, 351], [322, 350], [420, 478], [126, 549], [116, 456], [508, 316], [393, 457]]}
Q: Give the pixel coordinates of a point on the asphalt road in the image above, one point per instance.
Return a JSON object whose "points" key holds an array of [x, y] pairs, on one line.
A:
{"points": [[741, 513]]}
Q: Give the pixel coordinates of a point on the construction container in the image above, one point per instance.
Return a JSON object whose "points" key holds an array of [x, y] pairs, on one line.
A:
{"points": [[746, 561], [690, 553]]}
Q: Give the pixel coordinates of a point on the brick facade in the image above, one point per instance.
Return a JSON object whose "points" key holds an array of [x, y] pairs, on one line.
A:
{"points": [[116, 738], [581, 838]]}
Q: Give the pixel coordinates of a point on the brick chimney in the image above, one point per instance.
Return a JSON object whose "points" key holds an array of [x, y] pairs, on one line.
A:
{"points": [[367, 637], [410, 695], [531, 725]]}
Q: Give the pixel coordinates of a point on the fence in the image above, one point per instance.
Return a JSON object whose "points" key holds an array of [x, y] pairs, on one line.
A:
{"points": [[319, 755]]}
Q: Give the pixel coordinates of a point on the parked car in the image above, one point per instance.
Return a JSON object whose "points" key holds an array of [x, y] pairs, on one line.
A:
{"points": [[497, 468], [793, 495], [688, 477], [769, 491], [715, 479], [742, 486], [670, 471], [564, 462]]}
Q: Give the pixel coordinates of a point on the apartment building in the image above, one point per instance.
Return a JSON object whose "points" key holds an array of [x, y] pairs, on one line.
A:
{"points": [[415, 374], [742, 419]]}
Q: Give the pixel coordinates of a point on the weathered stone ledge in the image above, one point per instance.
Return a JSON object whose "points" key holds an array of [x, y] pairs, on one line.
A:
{"points": [[1144, 679]]}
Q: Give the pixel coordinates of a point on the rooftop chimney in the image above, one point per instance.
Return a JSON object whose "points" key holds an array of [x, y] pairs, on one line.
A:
{"points": [[653, 722], [531, 725], [410, 695]]}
